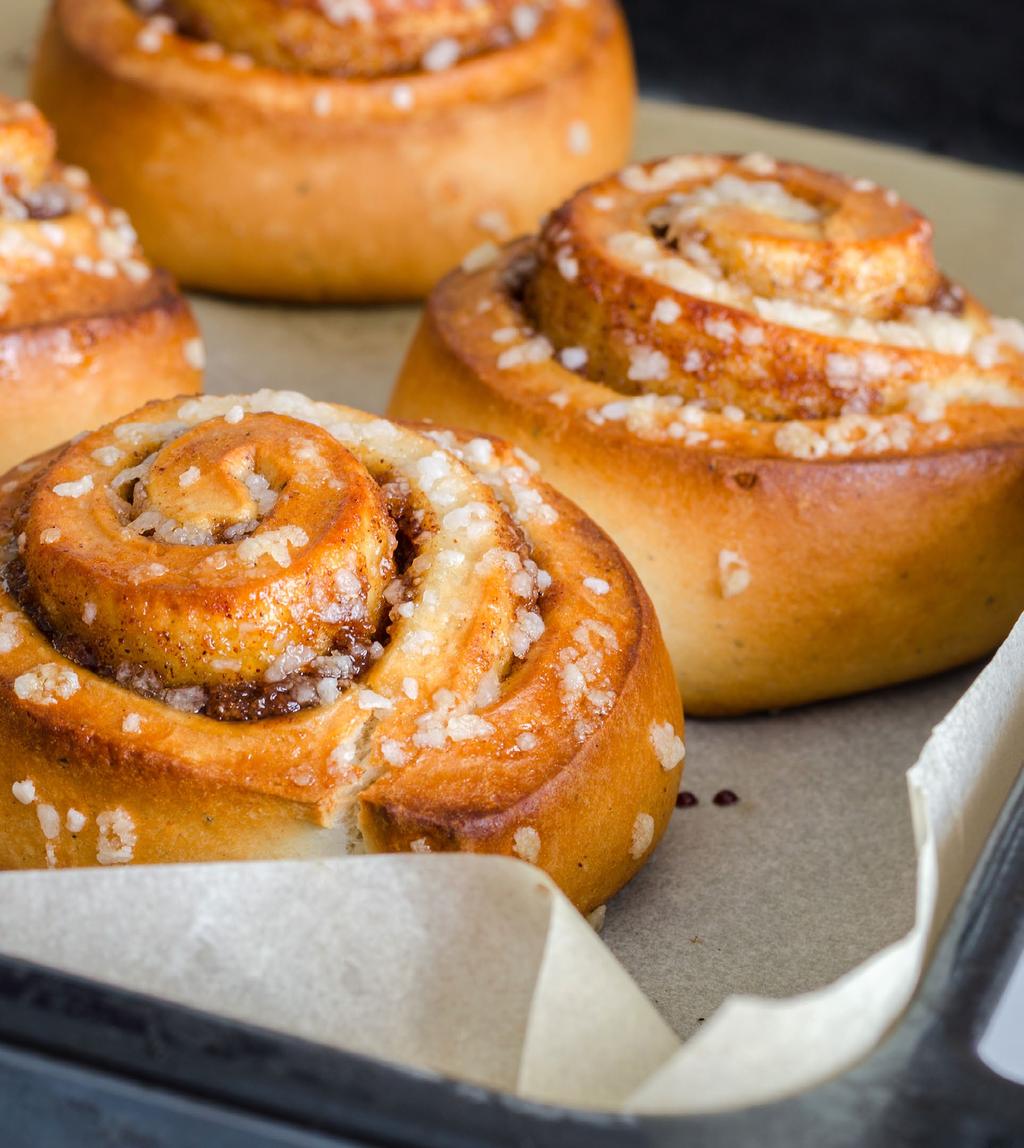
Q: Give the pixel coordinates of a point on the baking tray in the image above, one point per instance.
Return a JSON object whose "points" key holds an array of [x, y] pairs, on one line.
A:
{"points": [[82, 1063], [85, 1063]]}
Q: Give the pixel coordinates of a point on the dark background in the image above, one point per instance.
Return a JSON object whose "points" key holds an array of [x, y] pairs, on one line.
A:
{"points": [[945, 77]]}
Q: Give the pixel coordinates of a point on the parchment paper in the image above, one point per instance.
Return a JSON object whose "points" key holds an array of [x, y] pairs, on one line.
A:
{"points": [[477, 967]]}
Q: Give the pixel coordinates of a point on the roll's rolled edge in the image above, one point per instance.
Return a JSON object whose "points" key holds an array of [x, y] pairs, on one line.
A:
{"points": [[557, 741], [790, 558], [255, 181], [88, 328], [56, 378]]}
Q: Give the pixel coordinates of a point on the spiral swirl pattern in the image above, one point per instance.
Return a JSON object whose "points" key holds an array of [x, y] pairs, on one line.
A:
{"points": [[680, 340], [724, 290], [357, 37], [314, 603]]}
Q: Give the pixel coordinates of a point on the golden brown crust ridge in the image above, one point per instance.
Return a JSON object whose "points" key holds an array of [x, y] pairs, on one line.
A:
{"points": [[790, 557], [87, 328], [347, 207], [515, 696]]}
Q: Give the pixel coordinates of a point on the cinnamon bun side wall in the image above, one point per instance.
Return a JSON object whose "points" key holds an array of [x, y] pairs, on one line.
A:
{"points": [[263, 627], [297, 149], [88, 329], [808, 441]]}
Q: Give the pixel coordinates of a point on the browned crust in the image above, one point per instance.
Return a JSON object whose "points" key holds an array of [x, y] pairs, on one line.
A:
{"points": [[348, 207], [198, 789], [864, 571], [298, 34], [869, 255], [61, 377], [584, 806]]}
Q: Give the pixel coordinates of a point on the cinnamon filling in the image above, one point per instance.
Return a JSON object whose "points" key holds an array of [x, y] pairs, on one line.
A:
{"points": [[290, 691], [173, 576], [237, 570]]}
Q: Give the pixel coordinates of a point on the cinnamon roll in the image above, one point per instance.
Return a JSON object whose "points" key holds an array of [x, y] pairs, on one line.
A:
{"points": [[331, 149], [88, 330], [753, 374], [267, 627]]}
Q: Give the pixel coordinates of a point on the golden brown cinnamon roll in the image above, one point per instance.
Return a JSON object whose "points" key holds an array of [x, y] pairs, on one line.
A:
{"points": [[753, 374], [88, 329], [267, 627], [330, 149]]}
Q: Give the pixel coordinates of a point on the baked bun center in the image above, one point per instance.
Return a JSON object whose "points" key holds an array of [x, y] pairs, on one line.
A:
{"points": [[199, 554], [356, 37], [790, 239], [772, 288]]}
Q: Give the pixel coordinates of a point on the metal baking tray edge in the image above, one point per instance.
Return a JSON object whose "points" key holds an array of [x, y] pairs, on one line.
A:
{"points": [[85, 1063]]}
